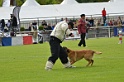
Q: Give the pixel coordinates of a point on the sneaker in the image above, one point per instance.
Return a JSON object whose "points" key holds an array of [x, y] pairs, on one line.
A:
{"points": [[47, 68], [79, 45]]}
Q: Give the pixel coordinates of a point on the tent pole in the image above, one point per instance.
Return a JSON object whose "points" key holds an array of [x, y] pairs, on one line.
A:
{"points": [[56, 20], [38, 21]]}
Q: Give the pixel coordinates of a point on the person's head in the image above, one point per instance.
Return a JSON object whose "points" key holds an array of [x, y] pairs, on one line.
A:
{"points": [[82, 16], [61, 19], [119, 17], [66, 19], [70, 25], [2, 21], [8, 20], [11, 15]]}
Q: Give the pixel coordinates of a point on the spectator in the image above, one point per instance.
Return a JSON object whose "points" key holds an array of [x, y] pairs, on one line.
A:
{"points": [[61, 19], [119, 21], [49, 27], [44, 23], [53, 26], [34, 25], [99, 22], [30, 27], [35, 34], [82, 30], [110, 23], [67, 20], [88, 25], [91, 21], [8, 25], [114, 22], [104, 15], [13, 24], [2, 25]]}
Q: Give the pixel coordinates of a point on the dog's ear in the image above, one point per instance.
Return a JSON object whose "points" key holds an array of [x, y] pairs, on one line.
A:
{"points": [[65, 48], [68, 50]]}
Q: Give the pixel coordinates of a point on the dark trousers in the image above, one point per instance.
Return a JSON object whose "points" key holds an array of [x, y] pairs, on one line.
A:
{"points": [[57, 51], [13, 30], [82, 41], [104, 19]]}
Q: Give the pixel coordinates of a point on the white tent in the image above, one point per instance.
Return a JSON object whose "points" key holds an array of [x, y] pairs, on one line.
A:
{"points": [[69, 2], [31, 3], [66, 10], [70, 8], [5, 12], [118, 0], [6, 3], [38, 12]]}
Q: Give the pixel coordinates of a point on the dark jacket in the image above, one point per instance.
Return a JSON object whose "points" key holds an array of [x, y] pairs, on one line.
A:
{"points": [[2, 23], [14, 21]]}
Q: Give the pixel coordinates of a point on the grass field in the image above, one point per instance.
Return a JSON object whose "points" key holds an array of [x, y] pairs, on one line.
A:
{"points": [[26, 63]]}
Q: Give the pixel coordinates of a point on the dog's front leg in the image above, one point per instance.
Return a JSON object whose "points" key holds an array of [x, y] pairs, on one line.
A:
{"points": [[72, 62]]}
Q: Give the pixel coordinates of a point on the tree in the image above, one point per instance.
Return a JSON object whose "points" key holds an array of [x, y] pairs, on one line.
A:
{"points": [[1, 2], [19, 2], [44, 2]]}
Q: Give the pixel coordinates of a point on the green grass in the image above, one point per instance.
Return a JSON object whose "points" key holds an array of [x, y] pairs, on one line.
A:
{"points": [[26, 63]]}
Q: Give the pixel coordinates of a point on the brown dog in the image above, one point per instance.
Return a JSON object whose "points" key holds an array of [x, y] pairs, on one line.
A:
{"points": [[75, 55]]}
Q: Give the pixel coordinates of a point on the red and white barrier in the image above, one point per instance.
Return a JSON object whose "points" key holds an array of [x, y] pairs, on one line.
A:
{"points": [[18, 40]]}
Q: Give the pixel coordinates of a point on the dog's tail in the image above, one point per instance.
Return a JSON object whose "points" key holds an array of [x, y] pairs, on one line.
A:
{"points": [[96, 52]]}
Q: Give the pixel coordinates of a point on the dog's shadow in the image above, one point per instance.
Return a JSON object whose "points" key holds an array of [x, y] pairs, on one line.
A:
{"points": [[79, 68], [84, 67]]}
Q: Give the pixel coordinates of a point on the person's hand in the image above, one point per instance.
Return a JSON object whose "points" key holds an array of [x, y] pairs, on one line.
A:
{"points": [[72, 35]]}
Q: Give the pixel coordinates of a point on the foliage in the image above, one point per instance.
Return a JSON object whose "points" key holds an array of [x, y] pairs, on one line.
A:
{"points": [[40, 27], [19, 2], [80, 1], [26, 63], [22, 29], [1, 2]]}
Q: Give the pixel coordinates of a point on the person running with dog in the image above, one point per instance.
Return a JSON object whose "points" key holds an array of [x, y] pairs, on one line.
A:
{"points": [[56, 38]]}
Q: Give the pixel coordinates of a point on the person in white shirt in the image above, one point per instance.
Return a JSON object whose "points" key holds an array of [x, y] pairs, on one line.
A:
{"points": [[56, 37]]}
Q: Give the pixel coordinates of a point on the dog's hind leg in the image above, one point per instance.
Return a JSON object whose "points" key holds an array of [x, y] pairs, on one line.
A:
{"points": [[92, 61]]}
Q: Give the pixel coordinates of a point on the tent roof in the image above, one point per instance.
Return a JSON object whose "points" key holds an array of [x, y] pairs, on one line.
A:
{"points": [[5, 12], [65, 10], [116, 0], [38, 12], [31, 3], [69, 2]]}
